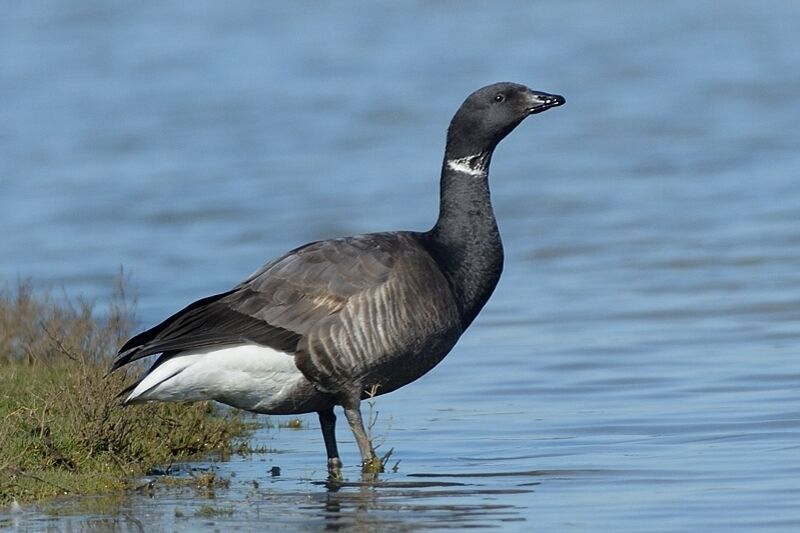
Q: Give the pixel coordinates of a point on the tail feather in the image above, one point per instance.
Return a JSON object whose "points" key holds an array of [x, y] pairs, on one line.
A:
{"points": [[146, 343], [136, 394], [124, 392], [158, 362]]}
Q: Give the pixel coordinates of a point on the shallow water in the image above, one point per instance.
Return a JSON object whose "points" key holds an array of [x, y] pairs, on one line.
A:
{"points": [[636, 369]]}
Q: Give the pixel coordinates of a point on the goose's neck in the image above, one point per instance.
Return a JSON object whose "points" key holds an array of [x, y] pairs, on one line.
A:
{"points": [[465, 240]]}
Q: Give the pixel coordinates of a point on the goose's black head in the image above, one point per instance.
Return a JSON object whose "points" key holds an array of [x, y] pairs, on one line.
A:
{"points": [[491, 113]]}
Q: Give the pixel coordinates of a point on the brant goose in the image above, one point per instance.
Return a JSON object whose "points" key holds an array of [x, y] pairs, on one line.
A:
{"points": [[333, 321]]}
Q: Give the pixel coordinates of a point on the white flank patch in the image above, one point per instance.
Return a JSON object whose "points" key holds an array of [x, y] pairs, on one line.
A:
{"points": [[246, 376], [465, 165]]}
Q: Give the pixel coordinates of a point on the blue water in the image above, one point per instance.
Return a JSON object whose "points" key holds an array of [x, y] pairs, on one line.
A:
{"points": [[638, 367]]}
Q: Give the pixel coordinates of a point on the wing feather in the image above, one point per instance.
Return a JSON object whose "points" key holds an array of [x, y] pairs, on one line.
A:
{"points": [[278, 304]]}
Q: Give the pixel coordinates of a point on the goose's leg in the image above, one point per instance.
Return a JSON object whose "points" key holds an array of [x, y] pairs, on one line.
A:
{"points": [[369, 461], [327, 421]]}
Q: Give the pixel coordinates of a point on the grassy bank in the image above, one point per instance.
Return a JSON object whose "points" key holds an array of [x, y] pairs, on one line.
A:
{"points": [[62, 430]]}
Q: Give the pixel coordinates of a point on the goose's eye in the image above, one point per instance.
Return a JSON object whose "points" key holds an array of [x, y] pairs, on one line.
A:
{"points": [[499, 97]]}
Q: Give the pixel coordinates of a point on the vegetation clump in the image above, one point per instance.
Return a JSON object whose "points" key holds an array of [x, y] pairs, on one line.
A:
{"points": [[62, 428]]}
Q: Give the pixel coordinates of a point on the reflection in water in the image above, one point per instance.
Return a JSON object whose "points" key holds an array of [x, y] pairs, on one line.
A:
{"points": [[364, 506], [373, 505]]}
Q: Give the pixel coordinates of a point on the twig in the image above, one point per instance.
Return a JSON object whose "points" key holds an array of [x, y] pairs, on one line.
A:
{"points": [[17, 471], [59, 344]]}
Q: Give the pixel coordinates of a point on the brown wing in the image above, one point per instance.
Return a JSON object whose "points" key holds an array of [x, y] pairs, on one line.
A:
{"points": [[278, 304]]}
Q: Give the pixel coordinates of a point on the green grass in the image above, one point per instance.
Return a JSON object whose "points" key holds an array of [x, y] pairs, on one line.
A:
{"points": [[62, 430], [208, 511]]}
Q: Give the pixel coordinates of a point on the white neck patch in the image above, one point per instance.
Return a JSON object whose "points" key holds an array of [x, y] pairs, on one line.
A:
{"points": [[473, 165]]}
